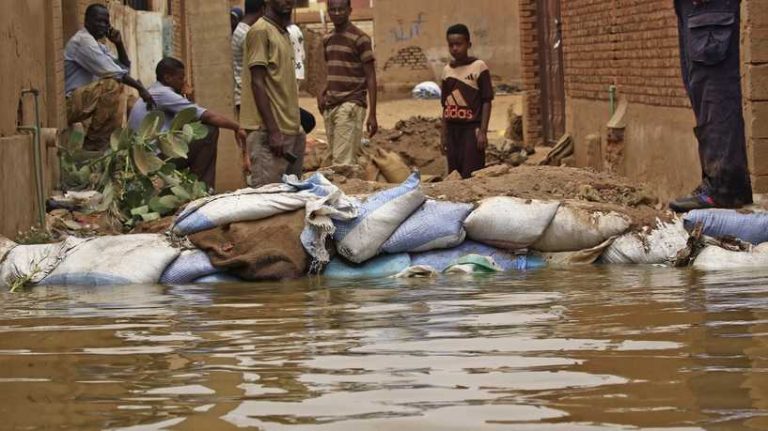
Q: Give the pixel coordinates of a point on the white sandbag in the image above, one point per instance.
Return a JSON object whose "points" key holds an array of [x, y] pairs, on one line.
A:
{"points": [[6, 245], [427, 90], [418, 271], [379, 217], [34, 262], [433, 226], [510, 223], [715, 258], [115, 260], [575, 229], [191, 265], [242, 205], [582, 257], [664, 245]]}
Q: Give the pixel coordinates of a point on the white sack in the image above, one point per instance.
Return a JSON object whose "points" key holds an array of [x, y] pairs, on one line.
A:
{"points": [[575, 229], [715, 258], [663, 245], [115, 260], [510, 223]]}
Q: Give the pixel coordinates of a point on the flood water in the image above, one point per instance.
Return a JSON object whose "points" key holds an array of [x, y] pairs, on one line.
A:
{"points": [[580, 349]]}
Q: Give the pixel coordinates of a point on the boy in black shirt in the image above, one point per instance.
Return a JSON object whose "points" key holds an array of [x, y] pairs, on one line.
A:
{"points": [[466, 98]]}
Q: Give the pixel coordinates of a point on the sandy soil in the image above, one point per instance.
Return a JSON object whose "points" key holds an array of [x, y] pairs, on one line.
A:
{"points": [[392, 111]]}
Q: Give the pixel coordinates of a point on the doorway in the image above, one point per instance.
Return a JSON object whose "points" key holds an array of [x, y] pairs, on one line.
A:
{"points": [[552, 70]]}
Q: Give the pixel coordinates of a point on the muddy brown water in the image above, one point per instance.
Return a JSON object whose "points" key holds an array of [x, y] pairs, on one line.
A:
{"points": [[580, 349]]}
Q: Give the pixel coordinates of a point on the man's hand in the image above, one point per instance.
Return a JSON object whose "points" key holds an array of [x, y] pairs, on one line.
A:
{"points": [[188, 91], [372, 125], [321, 103], [482, 139], [147, 98], [240, 137], [443, 142], [276, 140], [115, 36]]}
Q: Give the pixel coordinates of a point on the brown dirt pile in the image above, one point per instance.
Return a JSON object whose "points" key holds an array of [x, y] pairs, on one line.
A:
{"points": [[417, 141], [598, 191]]}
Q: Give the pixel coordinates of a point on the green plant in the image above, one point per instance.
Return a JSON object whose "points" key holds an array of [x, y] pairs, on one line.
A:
{"points": [[136, 175]]}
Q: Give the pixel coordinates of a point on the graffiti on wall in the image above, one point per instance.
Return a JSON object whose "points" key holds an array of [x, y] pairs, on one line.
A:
{"points": [[412, 58], [408, 31]]}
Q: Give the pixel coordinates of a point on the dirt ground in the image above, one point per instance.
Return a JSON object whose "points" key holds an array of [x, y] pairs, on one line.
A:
{"points": [[390, 112]]}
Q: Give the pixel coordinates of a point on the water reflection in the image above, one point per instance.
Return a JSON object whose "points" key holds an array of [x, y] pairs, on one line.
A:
{"points": [[593, 349]]}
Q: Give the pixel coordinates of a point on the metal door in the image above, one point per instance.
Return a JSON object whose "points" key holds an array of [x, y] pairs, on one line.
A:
{"points": [[552, 77]]}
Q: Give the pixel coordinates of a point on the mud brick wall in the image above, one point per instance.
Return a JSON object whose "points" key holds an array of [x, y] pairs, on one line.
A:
{"points": [[632, 44], [412, 58], [529, 47], [755, 56]]}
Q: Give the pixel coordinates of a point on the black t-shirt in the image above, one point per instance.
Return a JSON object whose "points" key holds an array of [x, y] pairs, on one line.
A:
{"points": [[465, 89]]}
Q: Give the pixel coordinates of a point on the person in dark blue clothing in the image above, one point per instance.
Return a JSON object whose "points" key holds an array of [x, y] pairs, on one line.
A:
{"points": [[709, 55]]}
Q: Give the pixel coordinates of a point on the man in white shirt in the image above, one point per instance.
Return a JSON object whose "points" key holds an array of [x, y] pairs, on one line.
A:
{"points": [[308, 121], [94, 79], [171, 96]]}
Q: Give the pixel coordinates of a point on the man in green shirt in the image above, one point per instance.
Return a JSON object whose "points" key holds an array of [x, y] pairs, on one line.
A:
{"points": [[270, 102]]}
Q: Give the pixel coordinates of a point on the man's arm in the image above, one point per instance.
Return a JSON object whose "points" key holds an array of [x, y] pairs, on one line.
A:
{"points": [[370, 80], [482, 133], [143, 93], [259, 89], [116, 38]]}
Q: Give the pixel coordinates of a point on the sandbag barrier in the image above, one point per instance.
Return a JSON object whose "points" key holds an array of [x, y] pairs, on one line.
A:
{"points": [[310, 227]]}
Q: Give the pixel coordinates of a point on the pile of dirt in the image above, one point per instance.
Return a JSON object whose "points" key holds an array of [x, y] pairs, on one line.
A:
{"points": [[599, 191], [417, 141]]}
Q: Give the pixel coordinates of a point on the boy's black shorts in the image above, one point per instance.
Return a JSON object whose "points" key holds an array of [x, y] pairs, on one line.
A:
{"points": [[462, 153]]}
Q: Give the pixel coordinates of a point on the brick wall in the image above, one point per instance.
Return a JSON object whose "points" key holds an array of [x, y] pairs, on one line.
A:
{"points": [[755, 55], [529, 41], [632, 44]]}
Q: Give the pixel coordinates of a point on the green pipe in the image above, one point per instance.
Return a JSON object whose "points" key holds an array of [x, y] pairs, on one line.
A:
{"points": [[612, 98], [38, 156]]}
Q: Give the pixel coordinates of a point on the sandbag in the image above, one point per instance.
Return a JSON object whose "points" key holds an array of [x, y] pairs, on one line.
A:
{"points": [[582, 257], [6, 245], [664, 245], [434, 225], [510, 223], [473, 264], [382, 266], [507, 261], [268, 249], [714, 258], [719, 223], [391, 166], [575, 229], [188, 267], [379, 217], [427, 90], [419, 271], [242, 205], [217, 279], [114, 260], [33, 262]]}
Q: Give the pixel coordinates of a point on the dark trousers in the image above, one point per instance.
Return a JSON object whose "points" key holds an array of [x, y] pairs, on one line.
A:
{"points": [[461, 149], [709, 57], [201, 159]]}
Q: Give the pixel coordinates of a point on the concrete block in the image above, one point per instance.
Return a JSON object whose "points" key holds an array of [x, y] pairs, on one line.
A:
{"points": [[758, 156], [756, 82], [756, 119], [754, 13]]}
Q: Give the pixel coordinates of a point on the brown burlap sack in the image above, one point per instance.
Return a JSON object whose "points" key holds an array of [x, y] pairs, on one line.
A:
{"points": [[268, 249], [392, 166]]}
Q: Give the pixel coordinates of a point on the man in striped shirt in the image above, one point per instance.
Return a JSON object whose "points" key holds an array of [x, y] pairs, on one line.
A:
{"points": [[351, 85]]}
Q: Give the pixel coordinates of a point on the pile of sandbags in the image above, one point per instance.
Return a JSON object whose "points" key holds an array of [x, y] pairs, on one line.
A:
{"points": [[289, 230]]}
